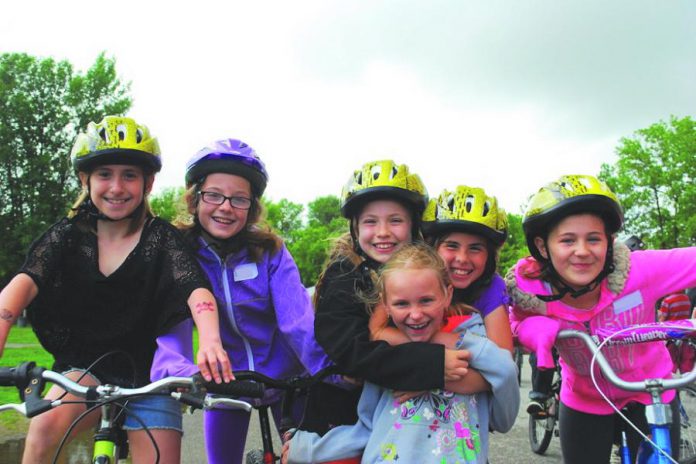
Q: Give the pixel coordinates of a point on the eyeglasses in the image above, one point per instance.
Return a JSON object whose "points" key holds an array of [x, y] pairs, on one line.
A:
{"points": [[215, 198]]}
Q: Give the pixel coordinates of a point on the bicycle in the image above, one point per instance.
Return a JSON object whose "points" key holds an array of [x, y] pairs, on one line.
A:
{"points": [[291, 388], [658, 414], [542, 427], [109, 446]]}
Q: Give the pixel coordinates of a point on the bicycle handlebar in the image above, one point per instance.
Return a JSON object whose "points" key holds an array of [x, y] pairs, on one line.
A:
{"points": [[298, 382], [605, 367], [30, 381]]}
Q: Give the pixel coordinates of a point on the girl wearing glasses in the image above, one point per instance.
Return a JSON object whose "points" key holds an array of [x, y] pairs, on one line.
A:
{"points": [[266, 317]]}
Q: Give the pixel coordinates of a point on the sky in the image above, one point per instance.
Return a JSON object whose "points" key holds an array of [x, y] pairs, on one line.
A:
{"points": [[504, 95]]}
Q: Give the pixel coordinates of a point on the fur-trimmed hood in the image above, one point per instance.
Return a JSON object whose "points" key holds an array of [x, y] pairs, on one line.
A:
{"points": [[529, 302]]}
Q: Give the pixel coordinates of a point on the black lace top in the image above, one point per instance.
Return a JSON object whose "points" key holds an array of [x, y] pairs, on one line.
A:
{"points": [[79, 314]]}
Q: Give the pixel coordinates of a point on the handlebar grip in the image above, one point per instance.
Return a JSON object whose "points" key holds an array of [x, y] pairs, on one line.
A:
{"points": [[19, 376], [236, 388], [7, 376]]}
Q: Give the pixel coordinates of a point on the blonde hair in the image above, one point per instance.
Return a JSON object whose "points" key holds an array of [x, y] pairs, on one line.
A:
{"points": [[256, 235], [417, 256]]}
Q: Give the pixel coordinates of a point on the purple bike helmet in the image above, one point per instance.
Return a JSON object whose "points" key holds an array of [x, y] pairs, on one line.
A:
{"points": [[229, 156]]}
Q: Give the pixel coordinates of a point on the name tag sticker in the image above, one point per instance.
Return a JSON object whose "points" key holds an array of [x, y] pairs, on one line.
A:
{"points": [[630, 301], [245, 272]]}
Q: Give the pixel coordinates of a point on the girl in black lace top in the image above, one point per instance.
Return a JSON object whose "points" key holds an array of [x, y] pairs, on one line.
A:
{"points": [[102, 284]]}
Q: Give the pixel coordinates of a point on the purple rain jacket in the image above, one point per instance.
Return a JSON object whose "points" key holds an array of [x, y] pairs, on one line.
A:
{"points": [[266, 318]]}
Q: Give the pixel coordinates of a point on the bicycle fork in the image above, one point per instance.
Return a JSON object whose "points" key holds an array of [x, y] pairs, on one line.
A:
{"points": [[106, 449]]}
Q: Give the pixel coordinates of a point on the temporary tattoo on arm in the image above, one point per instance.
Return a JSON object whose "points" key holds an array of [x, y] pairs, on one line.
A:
{"points": [[204, 306], [6, 315]]}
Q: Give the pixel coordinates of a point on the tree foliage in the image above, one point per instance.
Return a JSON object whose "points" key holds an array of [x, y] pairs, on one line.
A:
{"points": [[307, 240], [168, 203], [43, 103], [515, 246], [654, 178]]}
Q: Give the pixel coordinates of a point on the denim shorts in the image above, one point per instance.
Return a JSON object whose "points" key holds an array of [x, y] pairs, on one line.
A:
{"points": [[155, 412]]}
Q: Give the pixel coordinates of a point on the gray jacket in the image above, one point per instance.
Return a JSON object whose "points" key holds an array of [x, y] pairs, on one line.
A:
{"points": [[436, 427]]}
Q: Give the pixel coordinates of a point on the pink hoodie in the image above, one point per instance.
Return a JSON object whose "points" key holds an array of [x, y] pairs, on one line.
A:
{"points": [[628, 297]]}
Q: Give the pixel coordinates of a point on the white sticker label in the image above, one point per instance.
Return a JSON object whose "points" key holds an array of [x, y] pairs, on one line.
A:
{"points": [[630, 301], [245, 272]]}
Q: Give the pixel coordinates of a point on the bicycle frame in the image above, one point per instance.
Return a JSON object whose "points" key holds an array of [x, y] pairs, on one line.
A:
{"points": [[658, 414]]}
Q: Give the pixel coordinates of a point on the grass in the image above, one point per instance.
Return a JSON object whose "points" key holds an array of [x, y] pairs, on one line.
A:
{"points": [[22, 345]]}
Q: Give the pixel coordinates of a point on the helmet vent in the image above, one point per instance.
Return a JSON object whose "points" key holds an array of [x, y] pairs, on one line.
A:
{"points": [[450, 203], [469, 203], [139, 135], [358, 178], [102, 134], [376, 171], [121, 130], [486, 208]]}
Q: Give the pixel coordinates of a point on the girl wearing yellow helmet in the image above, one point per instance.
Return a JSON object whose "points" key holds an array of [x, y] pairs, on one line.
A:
{"points": [[101, 285], [467, 228], [579, 278], [383, 202]]}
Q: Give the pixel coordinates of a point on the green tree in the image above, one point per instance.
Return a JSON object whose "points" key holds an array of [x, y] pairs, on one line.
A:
{"points": [[312, 243], [284, 217], [168, 203], [515, 246], [654, 178], [43, 103], [307, 240]]}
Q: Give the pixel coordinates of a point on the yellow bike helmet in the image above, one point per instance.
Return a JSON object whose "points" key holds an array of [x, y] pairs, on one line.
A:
{"points": [[383, 179], [115, 140], [571, 194], [467, 209]]}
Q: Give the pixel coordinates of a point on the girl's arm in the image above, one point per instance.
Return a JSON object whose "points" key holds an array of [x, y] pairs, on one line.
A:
{"points": [[211, 358], [342, 329], [13, 299], [381, 330], [498, 330], [294, 311]]}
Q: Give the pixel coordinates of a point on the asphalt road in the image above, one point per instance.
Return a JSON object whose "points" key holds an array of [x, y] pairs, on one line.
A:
{"points": [[509, 448]]}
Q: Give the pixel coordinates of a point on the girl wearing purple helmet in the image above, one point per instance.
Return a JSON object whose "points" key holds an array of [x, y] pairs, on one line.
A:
{"points": [[266, 317]]}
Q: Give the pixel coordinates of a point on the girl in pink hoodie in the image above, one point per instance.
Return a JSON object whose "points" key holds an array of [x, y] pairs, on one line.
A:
{"points": [[579, 278]]}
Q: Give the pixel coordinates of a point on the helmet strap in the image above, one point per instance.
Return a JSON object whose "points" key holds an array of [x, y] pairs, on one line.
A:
{"points": [[564, 289]]}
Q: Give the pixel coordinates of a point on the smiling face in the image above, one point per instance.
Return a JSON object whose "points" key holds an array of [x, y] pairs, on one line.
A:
{"points": [[465, 256], [578, 248], [416, 301], [223, 221], [117, 190], [383, 227]]}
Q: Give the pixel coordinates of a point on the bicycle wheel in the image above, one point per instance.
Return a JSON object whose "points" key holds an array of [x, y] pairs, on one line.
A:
{"points": [[541, 430], [687, 409], [518, 355]]}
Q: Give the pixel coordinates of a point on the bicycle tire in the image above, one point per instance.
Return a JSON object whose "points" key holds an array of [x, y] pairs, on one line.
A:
{"points": [[687, 445], [519, 358], [541, 432]]}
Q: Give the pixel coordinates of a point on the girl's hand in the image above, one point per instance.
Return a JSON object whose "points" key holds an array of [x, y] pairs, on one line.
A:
{"points": [[212, 360], [285, 452], [378, 321], [402, 396], [456, 364]]}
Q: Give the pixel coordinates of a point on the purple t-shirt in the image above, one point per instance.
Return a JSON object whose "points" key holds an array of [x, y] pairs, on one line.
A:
{"points": [[492, 297]]}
